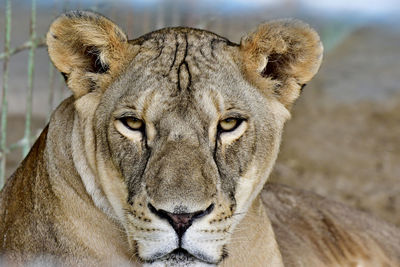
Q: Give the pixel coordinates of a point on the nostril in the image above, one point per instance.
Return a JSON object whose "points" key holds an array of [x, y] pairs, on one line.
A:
{"points": [[203, 213], [180, 221]]}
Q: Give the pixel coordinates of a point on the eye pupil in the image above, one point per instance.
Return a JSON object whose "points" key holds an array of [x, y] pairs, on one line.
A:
{"points": [[228, 124]]}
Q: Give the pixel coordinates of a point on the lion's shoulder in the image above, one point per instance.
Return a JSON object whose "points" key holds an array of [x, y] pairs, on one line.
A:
{"points": [[23, 213]]}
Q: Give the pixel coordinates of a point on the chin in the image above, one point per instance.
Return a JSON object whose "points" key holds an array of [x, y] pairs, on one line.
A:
{"points": [[178, 258]]}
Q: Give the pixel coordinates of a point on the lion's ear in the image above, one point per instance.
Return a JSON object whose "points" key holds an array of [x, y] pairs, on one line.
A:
{"points": [[88, 49], [280, 57]]}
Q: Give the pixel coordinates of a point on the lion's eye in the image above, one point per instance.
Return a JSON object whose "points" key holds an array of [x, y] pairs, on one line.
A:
{"points": [[131, 127], [229, 124], [132, 123]]}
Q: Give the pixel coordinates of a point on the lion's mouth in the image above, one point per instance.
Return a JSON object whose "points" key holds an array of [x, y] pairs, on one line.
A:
{"points": [[180, 257]]}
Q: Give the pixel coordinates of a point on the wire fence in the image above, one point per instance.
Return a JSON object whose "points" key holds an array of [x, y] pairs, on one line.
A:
{"points": [[32, 45], [4, 110]]}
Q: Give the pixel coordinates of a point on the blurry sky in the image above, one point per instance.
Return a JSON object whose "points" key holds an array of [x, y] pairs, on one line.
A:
{"points": [[362, 6], [366, 7], [371, 7]]}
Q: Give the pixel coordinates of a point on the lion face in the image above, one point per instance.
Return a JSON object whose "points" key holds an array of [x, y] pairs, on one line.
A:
{"points": [[179, 132], [185, 155]]}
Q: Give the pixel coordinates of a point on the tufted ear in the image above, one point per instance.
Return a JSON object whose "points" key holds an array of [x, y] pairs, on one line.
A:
{"points": [[280, 57], [88, 49]]}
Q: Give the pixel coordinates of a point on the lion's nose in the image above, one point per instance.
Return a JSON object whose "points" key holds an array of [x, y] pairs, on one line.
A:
{"points": [[180, 221]]}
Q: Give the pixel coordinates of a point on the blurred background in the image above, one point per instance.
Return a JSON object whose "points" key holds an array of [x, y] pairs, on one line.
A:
{"points": [[343, 141]]}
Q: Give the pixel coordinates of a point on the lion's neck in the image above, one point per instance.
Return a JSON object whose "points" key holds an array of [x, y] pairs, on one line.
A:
{"points": [[253, 242], [76, 207]]}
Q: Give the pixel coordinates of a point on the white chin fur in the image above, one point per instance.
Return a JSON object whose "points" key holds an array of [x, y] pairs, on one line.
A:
{"points": [[158, 243], [172, 263]]}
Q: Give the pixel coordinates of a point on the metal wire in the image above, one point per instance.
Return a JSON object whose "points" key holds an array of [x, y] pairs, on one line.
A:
{"points": [[4, 107], [31, 68]]}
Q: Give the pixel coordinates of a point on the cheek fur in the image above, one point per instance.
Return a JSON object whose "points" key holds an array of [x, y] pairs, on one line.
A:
{"points": [[230, 137], [125, 154], [233, 160], [238, 153]]}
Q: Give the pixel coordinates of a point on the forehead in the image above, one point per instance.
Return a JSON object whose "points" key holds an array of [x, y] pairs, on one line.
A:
{"points": [[180, 68]]}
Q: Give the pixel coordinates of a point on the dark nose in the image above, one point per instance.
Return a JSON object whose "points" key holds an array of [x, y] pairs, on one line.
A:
{"points": [[180, 221]]}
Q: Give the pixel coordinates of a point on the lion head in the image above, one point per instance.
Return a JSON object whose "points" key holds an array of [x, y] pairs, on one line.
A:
{"points": [[176, 132]]}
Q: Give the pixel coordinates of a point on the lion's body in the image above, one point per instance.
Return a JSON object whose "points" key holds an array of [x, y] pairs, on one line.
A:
{"points": [[160, 156], [313, 231]]}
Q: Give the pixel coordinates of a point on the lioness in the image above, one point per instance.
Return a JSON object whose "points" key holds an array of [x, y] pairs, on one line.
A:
{"points": [[160, 157]]}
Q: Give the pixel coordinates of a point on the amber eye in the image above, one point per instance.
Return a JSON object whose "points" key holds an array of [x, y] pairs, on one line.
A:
{"points": [[132, 123], [229, 124]]}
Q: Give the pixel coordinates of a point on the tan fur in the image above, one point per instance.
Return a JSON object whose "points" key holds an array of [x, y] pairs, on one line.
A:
{"points": [[327, 233], [77, 40], [294, 52], [91, 194]]}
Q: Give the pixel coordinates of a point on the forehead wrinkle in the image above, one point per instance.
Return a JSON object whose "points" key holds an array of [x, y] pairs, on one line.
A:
{"points": [[147, 102]]}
